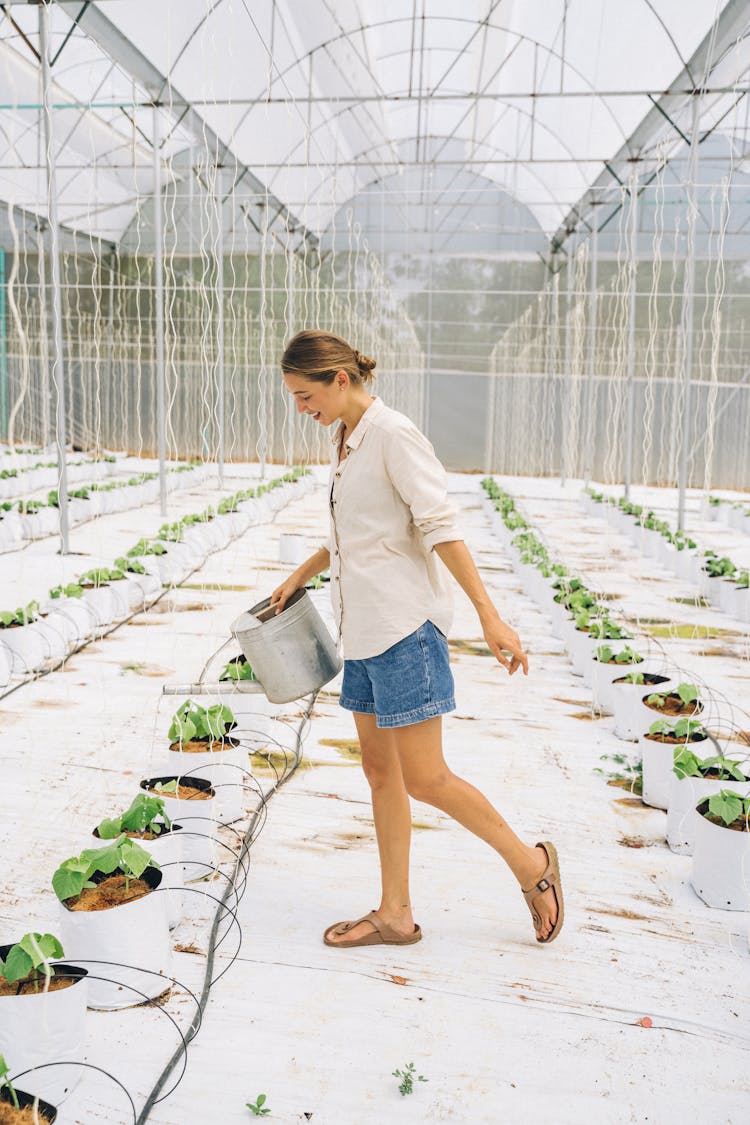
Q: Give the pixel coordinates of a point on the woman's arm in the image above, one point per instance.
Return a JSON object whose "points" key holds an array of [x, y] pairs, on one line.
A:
{"points": [[499, 636], [318, 562]]}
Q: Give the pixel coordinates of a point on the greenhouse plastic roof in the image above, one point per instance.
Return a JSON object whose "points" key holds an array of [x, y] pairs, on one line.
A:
{"points": [[313, 102]]}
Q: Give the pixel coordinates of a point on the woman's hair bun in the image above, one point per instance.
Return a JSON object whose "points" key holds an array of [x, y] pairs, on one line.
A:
{"points": [[364, 363]]}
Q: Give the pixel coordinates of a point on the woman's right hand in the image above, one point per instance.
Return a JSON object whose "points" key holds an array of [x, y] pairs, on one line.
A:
{"points": [[283, 593]]}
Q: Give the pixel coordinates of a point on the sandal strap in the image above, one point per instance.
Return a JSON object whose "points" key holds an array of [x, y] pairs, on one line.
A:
{"points": [[344, 927]]}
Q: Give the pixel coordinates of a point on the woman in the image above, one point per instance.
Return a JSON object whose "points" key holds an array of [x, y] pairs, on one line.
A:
{"points": [[390, 518]]}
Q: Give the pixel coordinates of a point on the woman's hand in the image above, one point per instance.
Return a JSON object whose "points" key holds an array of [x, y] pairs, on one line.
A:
{"points": [[283, 593], [501, 640]]}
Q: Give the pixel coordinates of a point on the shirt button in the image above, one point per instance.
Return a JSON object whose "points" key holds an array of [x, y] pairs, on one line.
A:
{"points": [[337, 578]]}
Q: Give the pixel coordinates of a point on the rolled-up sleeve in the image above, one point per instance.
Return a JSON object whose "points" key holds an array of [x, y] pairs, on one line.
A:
{"points": [[422, 483]]}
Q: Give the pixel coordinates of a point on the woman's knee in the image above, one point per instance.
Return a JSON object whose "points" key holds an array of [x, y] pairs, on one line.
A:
{"points": [[380, 764], [428, 787]]}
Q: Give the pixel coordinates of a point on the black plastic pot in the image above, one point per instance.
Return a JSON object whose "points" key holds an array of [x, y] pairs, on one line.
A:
{"points": [[199, 783]]}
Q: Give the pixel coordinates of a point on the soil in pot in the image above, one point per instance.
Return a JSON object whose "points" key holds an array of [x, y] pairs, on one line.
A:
{"points": [[34, 983], [114, 890], [204, 745], [650, 679], [26, 1114], [188, 788], [738, 825], [673, 705], [673, 741]]}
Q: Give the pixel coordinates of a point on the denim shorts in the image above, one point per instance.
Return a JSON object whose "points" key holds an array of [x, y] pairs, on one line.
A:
{"points": [[410, 682]]}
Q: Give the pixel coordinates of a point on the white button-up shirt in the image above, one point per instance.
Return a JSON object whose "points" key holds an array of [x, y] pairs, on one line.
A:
{"points": [[389, 506]]}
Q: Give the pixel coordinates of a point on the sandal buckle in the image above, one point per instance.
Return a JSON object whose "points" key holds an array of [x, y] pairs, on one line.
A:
{"points": [[543, 885]]}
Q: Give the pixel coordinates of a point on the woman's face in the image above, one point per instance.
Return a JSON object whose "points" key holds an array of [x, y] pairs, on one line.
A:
{"points": [[324, 402]]}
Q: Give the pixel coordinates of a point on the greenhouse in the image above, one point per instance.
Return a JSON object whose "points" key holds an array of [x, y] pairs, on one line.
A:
{"points": [[354, 355]]}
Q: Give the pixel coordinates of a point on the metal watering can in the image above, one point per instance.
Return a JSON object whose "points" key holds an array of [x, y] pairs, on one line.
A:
{"points": [[291, 653]]}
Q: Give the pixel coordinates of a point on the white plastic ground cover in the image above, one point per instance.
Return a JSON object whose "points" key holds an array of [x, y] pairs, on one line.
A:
{"points": [[628, 903]]}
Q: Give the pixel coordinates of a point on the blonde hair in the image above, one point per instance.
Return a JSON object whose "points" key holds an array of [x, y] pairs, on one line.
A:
{"points": [[317, 355]]}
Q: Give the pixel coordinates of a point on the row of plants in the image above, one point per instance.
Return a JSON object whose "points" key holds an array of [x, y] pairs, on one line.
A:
{"points": [[29, 519], [33, 635], [703, 792], [118, 900], [733, 513], [720, 580]]}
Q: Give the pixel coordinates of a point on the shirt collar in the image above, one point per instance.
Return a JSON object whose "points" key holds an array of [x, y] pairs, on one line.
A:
{"points": [[355, 437]]}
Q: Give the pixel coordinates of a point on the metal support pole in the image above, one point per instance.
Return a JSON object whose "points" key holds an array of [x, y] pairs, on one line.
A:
{"points": [[549, 403], [589, 408], [110, 368], [58, 368], [290, 314], [161, 416], [220, 368], [688, 310], [566, 388], [630, 417], [262, 348], [428, 351]]}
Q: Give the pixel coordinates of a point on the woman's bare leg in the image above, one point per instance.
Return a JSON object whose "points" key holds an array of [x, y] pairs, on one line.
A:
{"points": [[427, 778], [392, 815]]}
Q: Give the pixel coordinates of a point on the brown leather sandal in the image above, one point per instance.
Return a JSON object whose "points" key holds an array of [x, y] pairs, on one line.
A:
{"points": [[383, 934], [549, 879]]}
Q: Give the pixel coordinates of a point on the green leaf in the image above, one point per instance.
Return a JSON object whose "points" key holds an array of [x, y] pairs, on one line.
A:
{"points": [[135, 859], [726, 805], [17, 965], [688, 693], [109, 829]]}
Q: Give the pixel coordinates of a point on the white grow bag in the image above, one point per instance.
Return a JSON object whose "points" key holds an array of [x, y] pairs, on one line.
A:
{"points": [[721, 865], [198, 819], [658, 767], [684, 794], [134, 937], [38, 1028], [227, 770], [28, 645]]}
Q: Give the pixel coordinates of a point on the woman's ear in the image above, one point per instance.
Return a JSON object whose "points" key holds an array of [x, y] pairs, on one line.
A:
{"points": [[342, 379]]}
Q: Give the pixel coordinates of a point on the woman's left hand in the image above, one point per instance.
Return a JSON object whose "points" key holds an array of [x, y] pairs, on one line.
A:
{"points": [[501, 640]]}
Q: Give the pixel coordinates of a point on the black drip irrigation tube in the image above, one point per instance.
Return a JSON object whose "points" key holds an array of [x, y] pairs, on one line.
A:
{"points": [[222, 910]]}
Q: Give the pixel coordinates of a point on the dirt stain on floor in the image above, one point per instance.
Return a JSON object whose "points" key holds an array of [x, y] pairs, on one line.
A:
{"points": [[141, 669], [470, 647], [276, 762], [636, 842], [347, 747]]}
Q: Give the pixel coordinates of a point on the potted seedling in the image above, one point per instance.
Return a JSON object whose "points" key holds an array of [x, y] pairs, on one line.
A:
{"points": [[609, 661], [742, 594], [681, 701], [111, 912], [101, 594], [658, 750], [143, 587], [23, 636], [17, 1107], [721, 859], [190, 801], [243, 691], [200, 742], [627, 694], [42, 1013], [693, 780], [69, 603], [146, 821]]}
